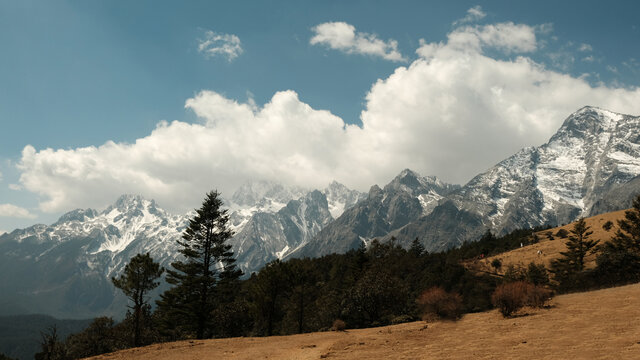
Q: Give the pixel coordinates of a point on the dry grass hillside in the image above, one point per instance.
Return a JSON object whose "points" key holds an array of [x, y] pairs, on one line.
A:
{"points": [[549, 249], [603, 324]]}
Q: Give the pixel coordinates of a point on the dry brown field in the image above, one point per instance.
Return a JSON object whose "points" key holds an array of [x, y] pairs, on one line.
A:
{"points": [[603, 324]]}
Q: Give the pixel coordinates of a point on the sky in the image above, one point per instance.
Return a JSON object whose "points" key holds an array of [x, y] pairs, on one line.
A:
{"points": [[171, 99]]}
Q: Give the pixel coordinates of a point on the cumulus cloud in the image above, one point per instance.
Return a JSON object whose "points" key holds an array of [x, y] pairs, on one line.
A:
{"points": [[473, 14], [216, 44], [342, 36], [10, 210], [453, 112]]}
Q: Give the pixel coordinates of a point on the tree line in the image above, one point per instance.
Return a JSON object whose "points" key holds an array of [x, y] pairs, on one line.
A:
{"points": [[373, 285]]}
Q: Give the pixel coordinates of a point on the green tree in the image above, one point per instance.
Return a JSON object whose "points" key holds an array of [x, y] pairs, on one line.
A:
{"points": [[619, 261], [99, 337], [138, 279], [208, 269], [268, 293], [567, 269]]}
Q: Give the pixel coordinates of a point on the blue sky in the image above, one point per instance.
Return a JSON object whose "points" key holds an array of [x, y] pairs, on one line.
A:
{"points": [[81, 74]]}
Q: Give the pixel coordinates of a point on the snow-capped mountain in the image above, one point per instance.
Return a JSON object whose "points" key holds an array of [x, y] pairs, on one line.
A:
{"points": [[65, 269], [594, 154], [406, 198], [75, 257]]}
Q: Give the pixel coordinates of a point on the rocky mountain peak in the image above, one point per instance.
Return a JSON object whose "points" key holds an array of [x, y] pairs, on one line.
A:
{"points": [[252, 193], [588, 121], [77, 215]]}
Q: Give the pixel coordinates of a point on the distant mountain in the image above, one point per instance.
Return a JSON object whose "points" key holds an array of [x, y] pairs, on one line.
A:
{"points": [[405, 199], [589, 166], [65, 269], [20, 335]]}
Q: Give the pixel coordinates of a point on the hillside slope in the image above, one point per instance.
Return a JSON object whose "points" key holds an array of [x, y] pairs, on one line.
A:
{"points": [[549, 249], [603, 324]]}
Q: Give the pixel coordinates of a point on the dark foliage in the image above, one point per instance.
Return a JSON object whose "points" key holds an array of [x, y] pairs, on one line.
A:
{"points": [[206, 279], [562, 233], [569, 271], [619, 259], [140, 276]]}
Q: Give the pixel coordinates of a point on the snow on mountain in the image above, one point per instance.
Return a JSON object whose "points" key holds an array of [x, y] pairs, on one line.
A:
{"points": [[593, 153], [407, 197], [561, 180], [85, 248], [341, 198]]}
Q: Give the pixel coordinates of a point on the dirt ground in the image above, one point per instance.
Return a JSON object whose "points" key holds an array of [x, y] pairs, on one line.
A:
{"points": [[603, 324]]}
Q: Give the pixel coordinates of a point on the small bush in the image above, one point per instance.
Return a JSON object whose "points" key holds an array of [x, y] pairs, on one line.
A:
{"points": [[607, 226], [511, 297], [496, 264], [538, 296], [562, 233], [401, 319], [537, 274], [437, 303], [514, 273], [338, 325], [549, 235]]}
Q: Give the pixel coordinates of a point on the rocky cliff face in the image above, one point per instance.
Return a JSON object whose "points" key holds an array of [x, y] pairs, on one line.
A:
{"points": [[577, 173], [406, 198]]}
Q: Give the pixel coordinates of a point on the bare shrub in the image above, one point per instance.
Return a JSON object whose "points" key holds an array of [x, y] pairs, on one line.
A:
{"points": [[562, 233], [537, 296], [437, 303], [338, 325], [510, 297], [513, 296]]}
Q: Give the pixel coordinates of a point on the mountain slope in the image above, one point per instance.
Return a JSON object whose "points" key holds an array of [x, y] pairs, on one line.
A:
{"points": [[65, 269], [594, 153], [406, 198]]}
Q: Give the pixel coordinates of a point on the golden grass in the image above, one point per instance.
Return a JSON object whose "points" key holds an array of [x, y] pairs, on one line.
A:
{"points": [[550, 249], [603, 324]]}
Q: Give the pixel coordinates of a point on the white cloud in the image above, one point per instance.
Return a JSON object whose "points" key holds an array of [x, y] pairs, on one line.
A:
{"points": [[453, 112], [585, 48], [15, 187], [10, 210], [342, 36], [473, 14], [507, 37], [216, 44]]}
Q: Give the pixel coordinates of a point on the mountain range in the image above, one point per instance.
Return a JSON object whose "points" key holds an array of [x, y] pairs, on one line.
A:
{"points": [[591, 165]]}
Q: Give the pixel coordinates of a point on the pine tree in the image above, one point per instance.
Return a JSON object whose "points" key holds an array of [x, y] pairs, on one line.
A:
{"points": [[578, 245], [619, 261], [207, 272], [138, 279]]}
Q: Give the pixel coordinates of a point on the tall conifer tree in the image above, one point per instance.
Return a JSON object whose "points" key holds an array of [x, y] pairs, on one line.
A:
{"points": [[207, 275]]}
